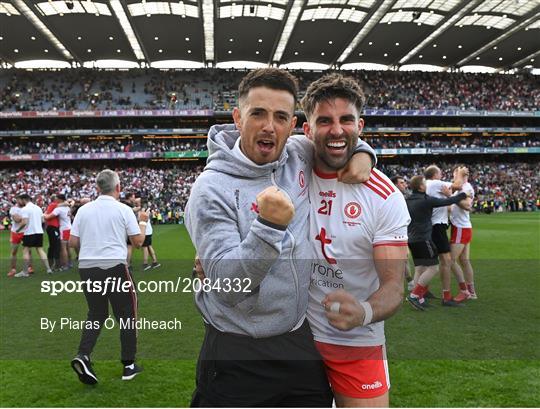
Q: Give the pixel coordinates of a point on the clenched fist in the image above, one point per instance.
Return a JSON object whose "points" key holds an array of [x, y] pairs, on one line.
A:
{"points": [[274, 206], [343, 311]]}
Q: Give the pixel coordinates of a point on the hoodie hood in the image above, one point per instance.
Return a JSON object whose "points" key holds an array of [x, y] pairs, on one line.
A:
{"points": [[224, 157]]}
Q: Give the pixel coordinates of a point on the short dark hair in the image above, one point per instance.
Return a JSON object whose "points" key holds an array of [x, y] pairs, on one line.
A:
{"points": [[416, 182], [431, 171], [333, 86], [395, 179], [273, 78], [24, 196], [61, 196], [128, 196]]}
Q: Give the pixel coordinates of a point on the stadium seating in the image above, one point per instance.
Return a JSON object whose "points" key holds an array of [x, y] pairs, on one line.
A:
{"points": [[168, 188], [82, 89], [16, 147]]}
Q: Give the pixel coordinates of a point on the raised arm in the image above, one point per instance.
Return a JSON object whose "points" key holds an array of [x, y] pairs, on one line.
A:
{"points": [[459, 178]]}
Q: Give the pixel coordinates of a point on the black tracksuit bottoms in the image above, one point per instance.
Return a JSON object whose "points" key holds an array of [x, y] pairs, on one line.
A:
{"points": [[123, 303], [280, 371], [53, 252]]}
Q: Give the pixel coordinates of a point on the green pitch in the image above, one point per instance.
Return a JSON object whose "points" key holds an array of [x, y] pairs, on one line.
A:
{"points": [[484, 354]]}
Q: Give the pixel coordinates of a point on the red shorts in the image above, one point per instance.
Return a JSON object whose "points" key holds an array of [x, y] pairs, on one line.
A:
{"points": [[356, 372], [461, 235], [16, 238], [64, 235]]}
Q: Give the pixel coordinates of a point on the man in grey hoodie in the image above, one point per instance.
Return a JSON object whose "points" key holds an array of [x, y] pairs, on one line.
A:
{"points": [[248, 219]]}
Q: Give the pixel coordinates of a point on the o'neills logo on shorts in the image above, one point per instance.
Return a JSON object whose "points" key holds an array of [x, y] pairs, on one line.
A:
{"points": [[375, 385]]}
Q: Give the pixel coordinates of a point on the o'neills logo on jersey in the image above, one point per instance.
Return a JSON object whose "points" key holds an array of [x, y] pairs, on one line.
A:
{"points": [[352, 210], [330, 193], [374, 385], [301, 179], [254, 208]]}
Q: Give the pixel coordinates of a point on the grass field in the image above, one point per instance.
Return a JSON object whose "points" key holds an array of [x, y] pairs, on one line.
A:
{"points": [[484, 354]]}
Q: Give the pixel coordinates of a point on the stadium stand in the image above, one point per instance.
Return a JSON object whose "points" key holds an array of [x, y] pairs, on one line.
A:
{"points": [[95, 146], [406, 142], [82, 89], [167, 188], [164, 189]]}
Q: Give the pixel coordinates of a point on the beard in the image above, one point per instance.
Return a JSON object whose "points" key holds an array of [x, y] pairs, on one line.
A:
{"points": [[337, 161]]}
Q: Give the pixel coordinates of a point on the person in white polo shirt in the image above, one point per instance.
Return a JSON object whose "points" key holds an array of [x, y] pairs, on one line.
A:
{"points": [[32, 225], [100, 231]]}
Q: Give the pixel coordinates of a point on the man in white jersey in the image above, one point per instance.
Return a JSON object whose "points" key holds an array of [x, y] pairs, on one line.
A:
{"points": [[460, 238], [16, 237], [32, 225], [63, 212], [359, 235], [439, 219]]}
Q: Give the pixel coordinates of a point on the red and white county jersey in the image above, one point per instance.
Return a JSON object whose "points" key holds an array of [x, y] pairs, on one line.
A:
{"points": [[458, 216], [64, 217], [15, 211], [346, 223], [433, 188]]}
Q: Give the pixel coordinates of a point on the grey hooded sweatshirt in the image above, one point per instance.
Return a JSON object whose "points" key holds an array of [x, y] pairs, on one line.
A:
{"points": [[263, 271]]}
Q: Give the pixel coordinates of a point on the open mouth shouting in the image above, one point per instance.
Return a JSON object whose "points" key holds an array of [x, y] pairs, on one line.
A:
{"points": [[266, 146]]}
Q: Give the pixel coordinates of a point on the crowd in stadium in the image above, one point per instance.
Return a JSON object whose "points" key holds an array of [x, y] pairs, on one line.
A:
{"points": [[163, 189], [77, 89], [499, 186], [175, 145], [98, 146], [456, 142]]}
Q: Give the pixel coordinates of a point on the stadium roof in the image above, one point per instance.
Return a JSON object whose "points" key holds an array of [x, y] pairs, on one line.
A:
{"points": [[503, 34]]}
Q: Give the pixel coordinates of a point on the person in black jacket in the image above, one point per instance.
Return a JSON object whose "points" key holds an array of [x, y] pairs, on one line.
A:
{"points": [[422, 248]]}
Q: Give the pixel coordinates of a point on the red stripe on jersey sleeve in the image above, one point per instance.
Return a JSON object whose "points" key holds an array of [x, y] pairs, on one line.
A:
{"points": [[382, 177], [391, 243], [376, 190], [380, 186]]}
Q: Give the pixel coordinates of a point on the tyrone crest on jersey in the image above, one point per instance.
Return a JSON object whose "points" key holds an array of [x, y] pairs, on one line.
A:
{"points": [[352, 210], [302, 179]]}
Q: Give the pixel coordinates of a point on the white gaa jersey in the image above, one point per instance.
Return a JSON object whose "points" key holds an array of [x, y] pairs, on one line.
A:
{"points": [[433, 188], [346, 223], [64, 217], [15, 211], [34, 214], [149, 230], [458, 216]]}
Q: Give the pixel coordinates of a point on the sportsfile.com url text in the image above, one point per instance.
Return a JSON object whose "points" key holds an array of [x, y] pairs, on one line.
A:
{"points": [[116, 285]]}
